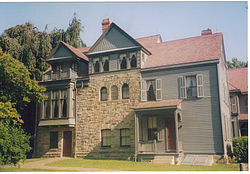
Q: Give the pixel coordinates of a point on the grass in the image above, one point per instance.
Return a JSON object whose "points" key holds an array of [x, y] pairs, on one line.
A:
{"points": [[33, 160], [32, 170], [139, 166]]}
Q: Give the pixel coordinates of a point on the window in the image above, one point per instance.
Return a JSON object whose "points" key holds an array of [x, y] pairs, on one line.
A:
{"points": [[97, 66], [104, 94], [47, 105], [114, 93], [125, 91], [133, 62], [152, 128], [234, 104], [64, 103], [53, 140], [106, 138], [124, 138], [151, 90], [106, 65], [191, 86], [124, 63], [55, 104]]}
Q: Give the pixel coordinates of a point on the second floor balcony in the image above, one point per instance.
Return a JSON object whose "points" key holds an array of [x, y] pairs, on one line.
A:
{"points": [[51, 76]]}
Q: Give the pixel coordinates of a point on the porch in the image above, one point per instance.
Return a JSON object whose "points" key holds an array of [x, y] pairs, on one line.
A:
{"points": [[157, 127]]}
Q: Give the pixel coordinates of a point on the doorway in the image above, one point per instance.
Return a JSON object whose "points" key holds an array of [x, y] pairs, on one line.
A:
{"points": [[171, 139], [67, 143]]}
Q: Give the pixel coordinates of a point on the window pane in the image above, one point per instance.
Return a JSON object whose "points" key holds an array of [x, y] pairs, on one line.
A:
{"points": [[191, 86], [106, 138], [125, 91], [55, 108], [97, 66], [53, 139], [124, 63], [106, 65], [104, 94], [124, 137], [64, 108], [151, 90], [133, 62], [46, 108], [55, 94]]}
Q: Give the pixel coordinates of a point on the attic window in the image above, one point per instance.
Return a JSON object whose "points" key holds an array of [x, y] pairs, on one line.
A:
{"points": [[124, 63]]}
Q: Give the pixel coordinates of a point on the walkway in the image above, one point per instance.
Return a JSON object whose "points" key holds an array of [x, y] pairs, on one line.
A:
{"points": [[41, 164]]}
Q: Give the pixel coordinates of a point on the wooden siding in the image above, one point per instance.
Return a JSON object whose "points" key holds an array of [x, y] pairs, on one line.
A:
{"points": [[201, 130], [62, 52], [113, 40]]}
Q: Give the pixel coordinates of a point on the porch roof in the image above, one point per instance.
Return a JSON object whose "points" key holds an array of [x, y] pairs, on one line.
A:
{"points": [[164, 104]]}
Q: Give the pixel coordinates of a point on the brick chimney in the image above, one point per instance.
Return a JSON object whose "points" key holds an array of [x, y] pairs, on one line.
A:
{"points": [[206, 32], [105, 24]]}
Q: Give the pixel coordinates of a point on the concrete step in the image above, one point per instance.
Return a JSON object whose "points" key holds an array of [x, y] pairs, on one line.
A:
{"points": [[197, 160], [164, 160]]}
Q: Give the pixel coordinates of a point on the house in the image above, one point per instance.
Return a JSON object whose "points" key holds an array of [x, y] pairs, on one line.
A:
{"points": [[238, 86], [141, 99]]}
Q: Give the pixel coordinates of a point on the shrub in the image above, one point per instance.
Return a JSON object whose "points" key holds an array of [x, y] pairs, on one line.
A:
{"points": [[240, 149], [14, 142]]}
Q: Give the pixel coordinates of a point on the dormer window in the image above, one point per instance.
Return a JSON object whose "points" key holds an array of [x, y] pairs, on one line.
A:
{"points": [[124, 63]]}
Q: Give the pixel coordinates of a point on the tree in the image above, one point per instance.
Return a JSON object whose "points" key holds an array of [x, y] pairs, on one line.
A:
{"points": [[14, 142], [16, 85], [236, 64]]}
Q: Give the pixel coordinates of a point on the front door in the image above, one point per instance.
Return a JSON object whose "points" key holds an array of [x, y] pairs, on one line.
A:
{"points": [[67, 143], [171, 139]]}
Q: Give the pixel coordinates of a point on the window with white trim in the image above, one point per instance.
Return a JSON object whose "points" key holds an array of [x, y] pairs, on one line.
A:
{"points": [[191, 87], [151, 90]]}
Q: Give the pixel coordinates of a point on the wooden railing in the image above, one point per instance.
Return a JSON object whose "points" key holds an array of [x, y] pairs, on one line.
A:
{"points": [[59, 75]]}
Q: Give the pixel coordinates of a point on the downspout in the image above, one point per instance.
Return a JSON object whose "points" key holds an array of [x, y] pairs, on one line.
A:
{"points": [[75, 88]]}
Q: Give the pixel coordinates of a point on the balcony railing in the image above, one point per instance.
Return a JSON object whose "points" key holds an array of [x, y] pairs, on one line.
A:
{"points": [[59, 75]]}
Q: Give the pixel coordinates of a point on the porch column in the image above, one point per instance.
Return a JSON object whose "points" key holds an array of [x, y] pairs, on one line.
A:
{"points": [[70, 102], [136, 134], [176, 131]]}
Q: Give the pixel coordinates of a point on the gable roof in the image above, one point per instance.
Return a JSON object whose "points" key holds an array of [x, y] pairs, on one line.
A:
{"points": [[149, 40], [238, 79], [113, 25], [75, 51], [194, 49]]}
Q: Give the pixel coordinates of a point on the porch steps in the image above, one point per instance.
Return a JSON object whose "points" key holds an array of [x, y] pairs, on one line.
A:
{"points": [[197, 160], [163, 160]]}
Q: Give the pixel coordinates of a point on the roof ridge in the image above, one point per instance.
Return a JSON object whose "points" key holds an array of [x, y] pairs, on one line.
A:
{"points": [[193, 37], [148, 36]]}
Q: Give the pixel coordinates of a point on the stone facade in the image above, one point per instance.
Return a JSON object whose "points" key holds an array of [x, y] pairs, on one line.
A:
{"points": [[43, 141], [94, 115]]}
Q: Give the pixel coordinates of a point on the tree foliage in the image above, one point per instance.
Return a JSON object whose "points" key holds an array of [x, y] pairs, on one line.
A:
{"points": [[16, 85], [31, 47], [14, 142], [235, 63]]}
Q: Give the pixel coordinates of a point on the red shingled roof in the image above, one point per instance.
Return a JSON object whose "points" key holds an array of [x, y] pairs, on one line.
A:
{"points": [[75, 51], [237, 79], [149, 40], [194, 49], [243, 117], [158, 104], [83, 49]]}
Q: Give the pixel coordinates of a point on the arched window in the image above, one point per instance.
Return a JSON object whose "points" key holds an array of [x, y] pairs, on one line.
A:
{"points": [[114, 93], [124, 63], [97, 66], [125, 91], [133, 62], [106, 65], [104, 94]]}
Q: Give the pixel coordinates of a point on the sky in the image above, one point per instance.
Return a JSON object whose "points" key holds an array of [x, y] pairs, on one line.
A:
{"points": [[172, 20]]}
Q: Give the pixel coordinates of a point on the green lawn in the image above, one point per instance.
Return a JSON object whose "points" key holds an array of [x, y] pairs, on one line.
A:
{"points": [[32, 170], [139, 166]]}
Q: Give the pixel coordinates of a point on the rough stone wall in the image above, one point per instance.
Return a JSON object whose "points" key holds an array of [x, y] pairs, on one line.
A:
{"points": [[94, 115], [43, 141]]}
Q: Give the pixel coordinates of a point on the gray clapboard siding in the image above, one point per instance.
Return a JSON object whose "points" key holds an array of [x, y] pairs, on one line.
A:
{"points": [[63, 52], [201, 130], [113, 40]]}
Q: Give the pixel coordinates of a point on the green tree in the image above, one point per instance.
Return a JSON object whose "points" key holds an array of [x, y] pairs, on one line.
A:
{"points": [[14, 142], [16, 85], [235, 63]]}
